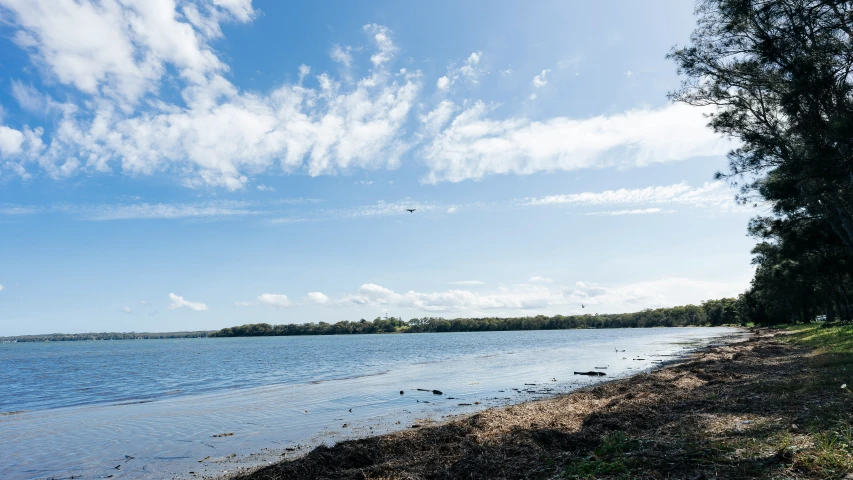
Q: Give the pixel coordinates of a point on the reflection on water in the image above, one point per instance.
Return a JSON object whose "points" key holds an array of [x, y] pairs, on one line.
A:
{"points": [[164, 408]]}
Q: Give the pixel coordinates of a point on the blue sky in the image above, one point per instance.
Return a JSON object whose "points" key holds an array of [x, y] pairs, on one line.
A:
{"points": [[198, 164]]}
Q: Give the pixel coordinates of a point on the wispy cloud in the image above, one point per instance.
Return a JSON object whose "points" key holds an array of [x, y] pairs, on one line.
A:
{"points": [[525, 299], [165, 211], [540, 80], [9, 209], [711, 195], [469, 70], [636, 211], [540, 279], [466, 282]]}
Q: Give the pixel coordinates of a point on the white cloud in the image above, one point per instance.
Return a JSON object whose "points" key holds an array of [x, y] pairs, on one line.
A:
{"points": [[451, 210], [711, 195], [467, 282], [2, 287], [126, 310], [179, 302], [472, 146], [469, 70], [242, 304], [530, 299], [443, 83], [8, 209], [636, 211], [165, 211], [264, 188], [540, 80], [11, 141], [117, 53], [317, 298], [341, 55], [532, 96], [275, 300], [385, 47], [538, 279], [628, 74], [121, 49], [31, 99]]}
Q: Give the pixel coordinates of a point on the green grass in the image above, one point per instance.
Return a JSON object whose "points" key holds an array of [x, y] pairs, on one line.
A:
{"points": [[825, 340]]}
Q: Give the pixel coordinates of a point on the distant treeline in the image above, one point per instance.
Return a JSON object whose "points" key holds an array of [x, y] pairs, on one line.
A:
{"points": [[709, 313], [72, 337]]}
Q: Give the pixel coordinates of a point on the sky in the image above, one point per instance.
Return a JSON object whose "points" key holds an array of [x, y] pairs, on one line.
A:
{"points": [[195, 164]]}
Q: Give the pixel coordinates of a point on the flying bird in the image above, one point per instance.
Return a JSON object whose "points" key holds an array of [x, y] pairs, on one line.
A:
{"points": [[411, 210], [583, 306]]}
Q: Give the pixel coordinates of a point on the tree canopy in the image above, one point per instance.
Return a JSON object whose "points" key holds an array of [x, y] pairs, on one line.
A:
{"points": [[776, 77]]}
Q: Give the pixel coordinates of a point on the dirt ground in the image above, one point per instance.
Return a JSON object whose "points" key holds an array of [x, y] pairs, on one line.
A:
{"points": [[761, 408]]}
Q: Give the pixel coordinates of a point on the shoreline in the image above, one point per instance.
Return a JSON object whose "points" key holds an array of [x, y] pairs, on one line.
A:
{"points": [[655, 424], [330, 462]]}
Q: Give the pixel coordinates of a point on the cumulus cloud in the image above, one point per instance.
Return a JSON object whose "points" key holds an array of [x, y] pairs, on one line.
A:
{"points": [[710, 195], [121, 49], [472, 145], [317, 298], [119, 53], [116, 55], [275, 300], [11, 141], [179, 302]]}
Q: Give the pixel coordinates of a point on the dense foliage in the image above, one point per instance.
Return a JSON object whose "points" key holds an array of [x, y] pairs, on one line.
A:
{"points": [[710, 313], [779, 77]]}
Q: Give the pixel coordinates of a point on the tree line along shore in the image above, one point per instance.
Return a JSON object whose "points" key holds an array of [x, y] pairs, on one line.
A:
{"points": [[724, 311], [710, 313]]}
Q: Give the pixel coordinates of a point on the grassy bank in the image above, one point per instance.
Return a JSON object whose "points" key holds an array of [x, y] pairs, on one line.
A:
{"points": [[769, 407]]}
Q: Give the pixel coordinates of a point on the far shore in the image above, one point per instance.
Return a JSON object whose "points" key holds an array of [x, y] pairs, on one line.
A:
{"points": [[758, 408]]}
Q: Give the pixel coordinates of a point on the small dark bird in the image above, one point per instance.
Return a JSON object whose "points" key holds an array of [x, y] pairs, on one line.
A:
{"points": [[583, 306], [401, 392], [411, 210]]}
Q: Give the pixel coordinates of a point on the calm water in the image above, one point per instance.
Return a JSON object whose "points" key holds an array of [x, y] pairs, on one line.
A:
{"points": [[153, 408]]}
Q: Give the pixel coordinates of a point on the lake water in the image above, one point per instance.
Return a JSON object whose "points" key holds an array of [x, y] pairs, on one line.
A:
{"points": [[157, 408]]}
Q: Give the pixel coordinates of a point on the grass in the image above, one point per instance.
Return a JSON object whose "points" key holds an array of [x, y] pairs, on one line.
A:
{"points": [[838, 339]]}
